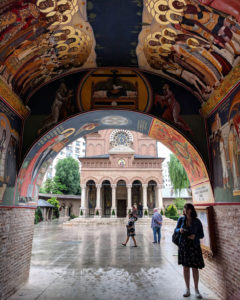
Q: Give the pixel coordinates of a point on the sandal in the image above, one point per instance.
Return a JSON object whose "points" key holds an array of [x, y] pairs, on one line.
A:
{"points": [[123, 244]]}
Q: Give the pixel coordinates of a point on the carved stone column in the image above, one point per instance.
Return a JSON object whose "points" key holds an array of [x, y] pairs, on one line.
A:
{"points": [[83, 208], [114, 207], [98, 202], [145, 207], [159, 203], [129, 197]]}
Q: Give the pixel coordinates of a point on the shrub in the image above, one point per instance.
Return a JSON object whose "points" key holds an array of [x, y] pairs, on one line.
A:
{"points": [[171, 212], [72, 216], [97, 213], [113, 212], [162, 212], [38, 216], [81, 213], [54, 202], [129, 211], [145, 213]]}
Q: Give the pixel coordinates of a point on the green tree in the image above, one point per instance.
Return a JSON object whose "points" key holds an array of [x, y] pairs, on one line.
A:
{"points": [[178, 175], [52, 186], [56, 205], [67, 178], [179, 202]]}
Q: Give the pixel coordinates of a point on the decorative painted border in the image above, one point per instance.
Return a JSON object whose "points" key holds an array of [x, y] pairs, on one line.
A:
{"points": [[13, 100], [230, 81]]}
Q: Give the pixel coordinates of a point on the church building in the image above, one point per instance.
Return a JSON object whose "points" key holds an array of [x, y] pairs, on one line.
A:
{"points": [[121, 169]]}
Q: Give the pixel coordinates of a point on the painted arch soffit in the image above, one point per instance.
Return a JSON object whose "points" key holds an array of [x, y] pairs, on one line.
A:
{"points": [[195, 43], [47, 147]]}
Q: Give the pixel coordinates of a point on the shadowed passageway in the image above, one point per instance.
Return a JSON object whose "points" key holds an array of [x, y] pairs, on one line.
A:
{"points": [[88, 262]]}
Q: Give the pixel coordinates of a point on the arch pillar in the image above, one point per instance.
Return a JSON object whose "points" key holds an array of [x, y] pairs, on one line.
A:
{"points": [[159, 203], [98, 202], [145, 207], [83, 208], [113, 186], [129, 197]]}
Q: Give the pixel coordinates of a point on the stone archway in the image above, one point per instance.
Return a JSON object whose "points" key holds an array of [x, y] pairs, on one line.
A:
{"points": [[106, 195], [30, 175]]}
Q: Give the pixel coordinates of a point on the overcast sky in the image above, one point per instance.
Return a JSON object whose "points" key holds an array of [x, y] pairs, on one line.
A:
{"points": [[163, 151]]}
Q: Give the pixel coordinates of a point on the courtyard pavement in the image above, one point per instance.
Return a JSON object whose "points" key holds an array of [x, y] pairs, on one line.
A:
{"points": [[89, 262]]}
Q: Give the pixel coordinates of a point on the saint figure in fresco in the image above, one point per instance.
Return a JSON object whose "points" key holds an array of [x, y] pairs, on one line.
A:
{"points": [[223, 156], [233, 155], [62, 96], [217, 162], [171, 107], [3, 151]]}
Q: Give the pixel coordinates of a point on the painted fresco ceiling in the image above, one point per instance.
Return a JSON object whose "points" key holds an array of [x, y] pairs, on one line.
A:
{"points": [[193, 43]]}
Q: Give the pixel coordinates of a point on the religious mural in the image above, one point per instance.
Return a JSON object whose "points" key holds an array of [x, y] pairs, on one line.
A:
{"points": [[10, 129], [190, 41], [113, 88], [224, 142], [189, 157], [40, 39]]}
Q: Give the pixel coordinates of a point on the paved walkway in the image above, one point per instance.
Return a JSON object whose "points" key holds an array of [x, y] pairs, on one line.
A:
{"points": [[88, 262]]}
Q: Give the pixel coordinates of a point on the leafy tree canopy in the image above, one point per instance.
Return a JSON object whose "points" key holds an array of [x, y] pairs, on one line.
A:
{"points": [[67, 176], [51, 186], [178, 175]]}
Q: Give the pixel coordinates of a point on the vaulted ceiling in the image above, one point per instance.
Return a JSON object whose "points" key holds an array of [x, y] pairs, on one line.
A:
{"points": [[192, 44]]}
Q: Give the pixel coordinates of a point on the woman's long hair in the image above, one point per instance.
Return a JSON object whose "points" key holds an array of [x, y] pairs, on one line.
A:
{"points": [[193, 210]]}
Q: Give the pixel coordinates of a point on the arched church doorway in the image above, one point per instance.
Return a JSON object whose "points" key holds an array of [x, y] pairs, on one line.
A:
{"points": [[91, 197], [137, 193], [106, 198], [121, 197]]}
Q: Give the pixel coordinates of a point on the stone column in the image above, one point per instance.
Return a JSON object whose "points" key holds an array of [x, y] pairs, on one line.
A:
{"points": [[98, 202], [159, 197], [145, 207], [114, 207], [66, 211], [129, 197], [83, 208]]}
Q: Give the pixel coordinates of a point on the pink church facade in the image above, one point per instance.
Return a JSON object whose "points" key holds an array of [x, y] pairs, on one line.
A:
{"points": [[121, 169]]}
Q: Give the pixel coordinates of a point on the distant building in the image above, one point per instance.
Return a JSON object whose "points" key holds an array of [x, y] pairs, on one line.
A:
{"points": [[121, 169]]}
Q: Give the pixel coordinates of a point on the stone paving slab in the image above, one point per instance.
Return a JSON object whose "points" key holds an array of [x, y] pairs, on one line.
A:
{"points": [[89, 262]]}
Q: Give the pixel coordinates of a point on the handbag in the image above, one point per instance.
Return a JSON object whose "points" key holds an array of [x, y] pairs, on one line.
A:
{"points": [[176, 238]]}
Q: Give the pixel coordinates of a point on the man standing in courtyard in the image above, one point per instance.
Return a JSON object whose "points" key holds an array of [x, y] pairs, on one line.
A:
{"points": [[156, 226]]}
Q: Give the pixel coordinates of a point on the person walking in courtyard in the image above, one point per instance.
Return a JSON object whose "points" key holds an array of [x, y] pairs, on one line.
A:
{"points": [[156, 226], [189, 250], [131, 230]]}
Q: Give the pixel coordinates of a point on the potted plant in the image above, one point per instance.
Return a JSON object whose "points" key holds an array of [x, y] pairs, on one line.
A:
{"points": [[81, 213], [145, 212], [113, 212], [97, 212]]}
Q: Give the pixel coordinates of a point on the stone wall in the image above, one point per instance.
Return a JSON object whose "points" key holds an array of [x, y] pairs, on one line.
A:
{"points": [[222, 272], [16, 235]]}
